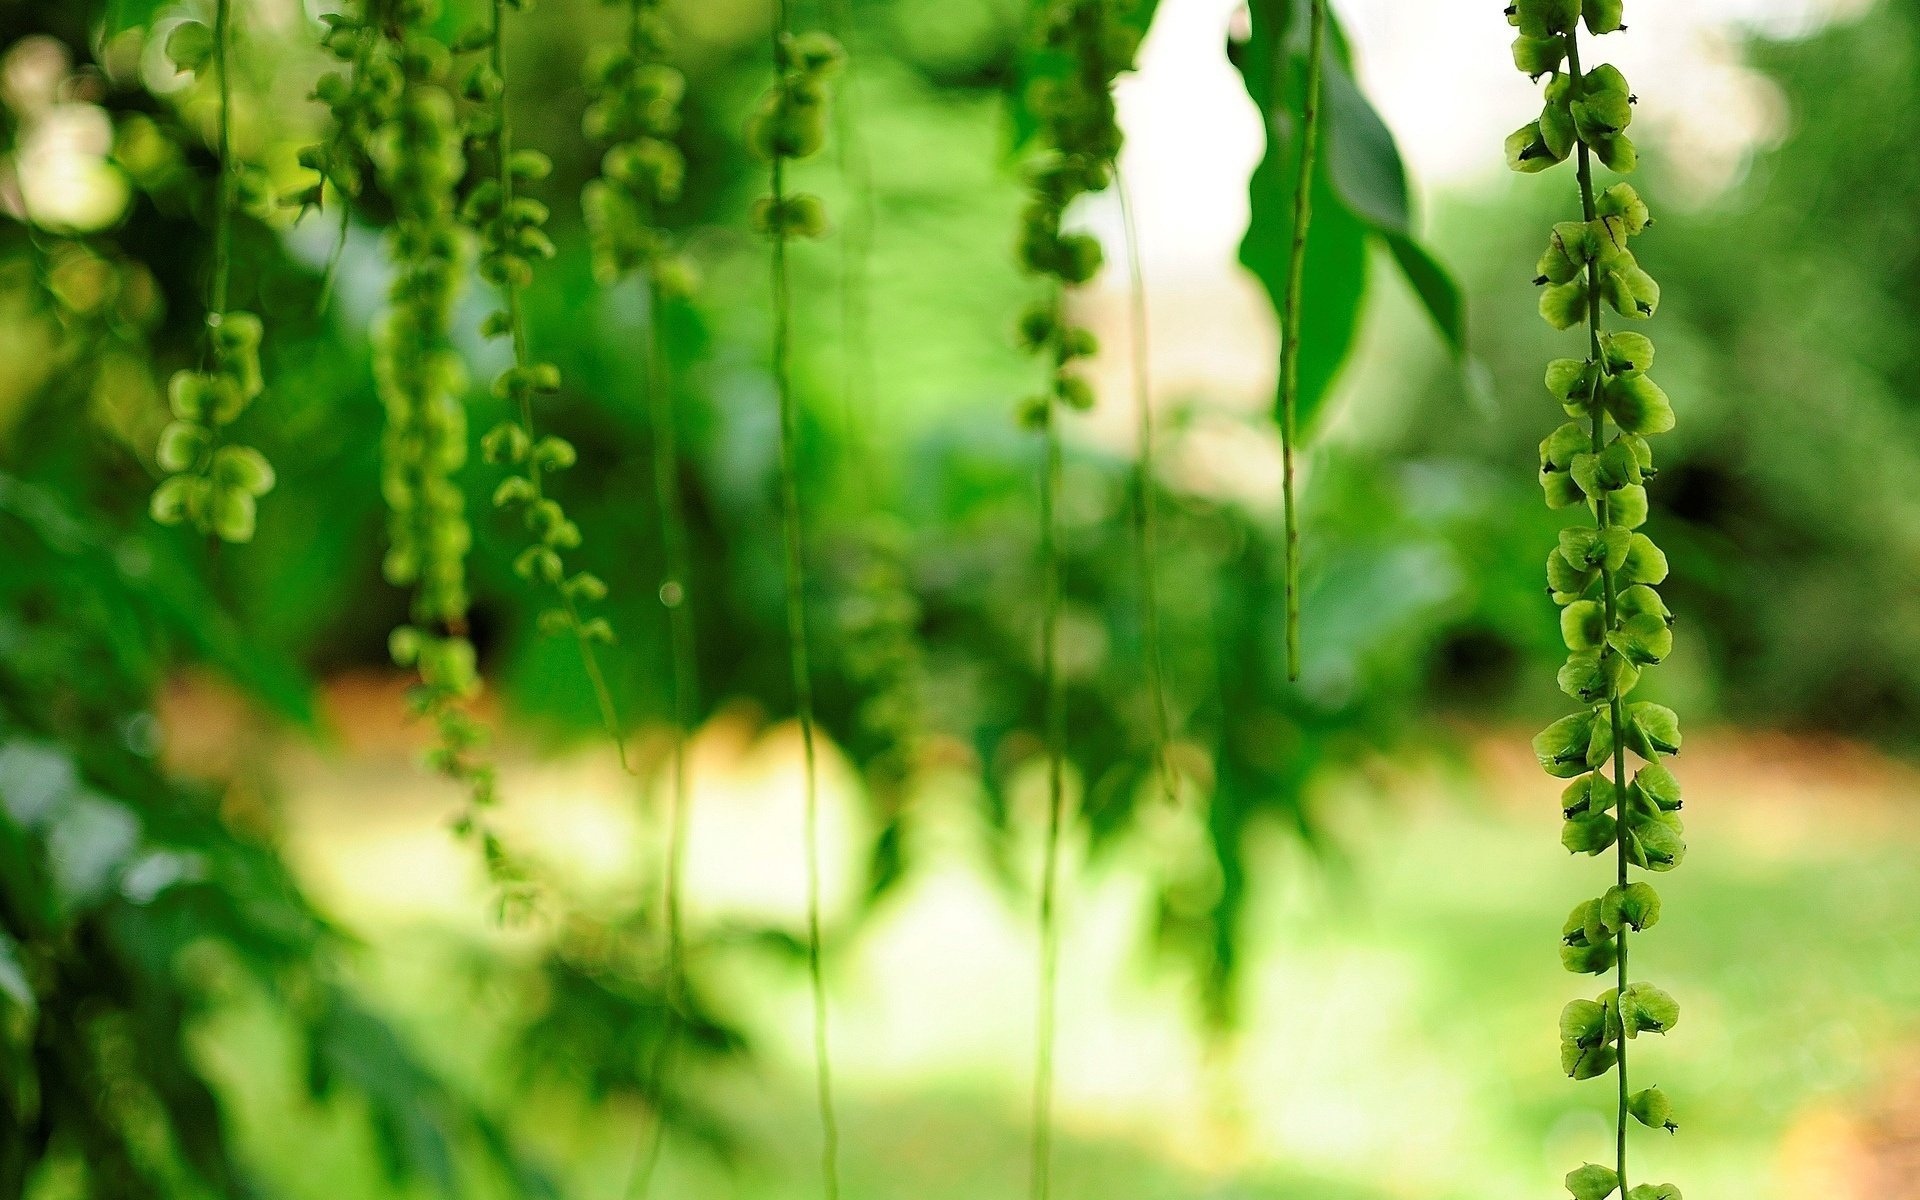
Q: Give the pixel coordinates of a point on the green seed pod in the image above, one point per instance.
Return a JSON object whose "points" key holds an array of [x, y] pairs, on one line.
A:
{"points": [[1588, 959], [1540, 18], [1583, 625], [1621, 203], [1652, 1109], [1571, 381], [1528, 150], [1566, 581], [1602, 16], [1606, 549], [1654, 730], [1655, 846], [231, 514], [1644, 1008], [1658, 786], [1565, 305], [1592, 1182], [1536, 56], [1627, 353], [1654, 1191], [1636, 906], [1617, 152], [1645, 640], [1645, 562], [1587, 794], [241, 469], [1562, 746], [181, 445], [1587, 1062], [1583, 1023], [1589, 833]]}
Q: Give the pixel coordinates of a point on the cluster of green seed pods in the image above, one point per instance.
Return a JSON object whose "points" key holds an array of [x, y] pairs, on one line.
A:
{"points": [[633, 112], [1603, 575], [417, 151], [1080, 139], [791, 123], [212, 484]]}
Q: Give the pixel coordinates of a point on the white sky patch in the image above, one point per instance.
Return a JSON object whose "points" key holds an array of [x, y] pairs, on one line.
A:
{"points": [[1441, 74]]}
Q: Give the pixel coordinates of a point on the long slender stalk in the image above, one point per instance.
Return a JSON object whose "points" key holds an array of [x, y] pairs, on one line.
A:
{"points": [[1146, 524], [1609, 593], [1041, 1168], [1290, 332], [683, 685], [793, 539], [856, 252], [223, 209]]}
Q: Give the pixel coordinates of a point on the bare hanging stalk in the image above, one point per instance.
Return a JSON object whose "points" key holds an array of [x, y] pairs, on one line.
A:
{"points": [[791, 124], [1290, 321], [1041, 1168], [1146, 522]]}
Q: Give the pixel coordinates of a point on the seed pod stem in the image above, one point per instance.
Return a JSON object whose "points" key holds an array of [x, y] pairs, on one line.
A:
{"points": [[1290, 323]]}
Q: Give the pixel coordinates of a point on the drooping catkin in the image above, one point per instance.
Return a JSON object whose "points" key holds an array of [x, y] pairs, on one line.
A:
{"points": [[510, 225], [212, 483], [1603, 574]]}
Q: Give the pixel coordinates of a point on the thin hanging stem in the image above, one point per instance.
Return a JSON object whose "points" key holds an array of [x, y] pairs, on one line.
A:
{"points": [[223, 208], [1290, 335], [1041, 1169], [856, 253], [791, 525], [683, 683], [1146, 525], [1609, 595]]}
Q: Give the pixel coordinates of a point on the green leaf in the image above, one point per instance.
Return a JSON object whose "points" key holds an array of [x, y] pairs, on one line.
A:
{"points": [[1592, 1182]]}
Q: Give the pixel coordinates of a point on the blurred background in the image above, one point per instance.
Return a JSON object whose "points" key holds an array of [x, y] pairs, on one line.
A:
{"points": [[244, 955]]}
